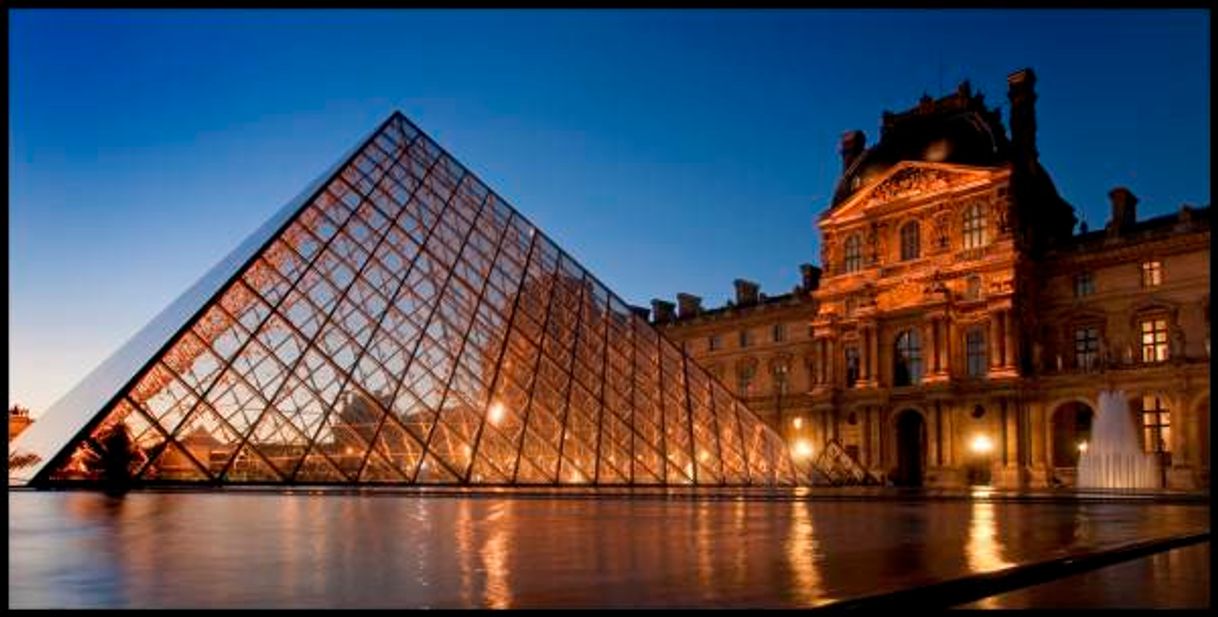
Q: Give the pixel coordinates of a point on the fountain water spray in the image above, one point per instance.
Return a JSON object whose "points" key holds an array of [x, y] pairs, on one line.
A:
{"points": [[1114, 458]]}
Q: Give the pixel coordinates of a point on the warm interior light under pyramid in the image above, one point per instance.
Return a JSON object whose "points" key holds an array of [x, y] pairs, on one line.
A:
{"points": [[399, 323]]}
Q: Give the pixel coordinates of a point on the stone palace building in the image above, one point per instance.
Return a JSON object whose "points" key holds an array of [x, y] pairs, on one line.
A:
{"points": [[959, 328]]}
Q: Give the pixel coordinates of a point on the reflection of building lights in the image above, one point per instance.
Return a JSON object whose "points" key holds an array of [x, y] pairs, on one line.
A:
{"points": [[689, 469], [495, 414], [350, 450], [802, 449], [703, 456], [1082, 446], [797, 422], [981, 444]]}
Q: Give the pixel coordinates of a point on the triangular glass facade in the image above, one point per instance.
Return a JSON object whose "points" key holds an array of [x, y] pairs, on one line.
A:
{"points": [[405, 325]]}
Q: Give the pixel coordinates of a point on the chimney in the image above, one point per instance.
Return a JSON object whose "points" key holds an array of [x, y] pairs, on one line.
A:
{"points": [[641, 312], [1021, 90], [851, 146], [1124, 210], [688, 305], [746, 292], [661, 311], [810, 277]]}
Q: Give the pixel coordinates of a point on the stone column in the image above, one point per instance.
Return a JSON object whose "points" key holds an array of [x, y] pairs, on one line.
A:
{"points": [[874, 353], [932, 358], [830, 361], [993, 347], [1037, 435], [949, 437], [1013, 432], [945, 362], [865, 354], [938, 434], [867, 448], [1181, 426], [820, 361], [1009, 348]]}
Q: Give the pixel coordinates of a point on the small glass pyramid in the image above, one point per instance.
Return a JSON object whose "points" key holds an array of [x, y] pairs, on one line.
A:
{"points": [[402, 324]]}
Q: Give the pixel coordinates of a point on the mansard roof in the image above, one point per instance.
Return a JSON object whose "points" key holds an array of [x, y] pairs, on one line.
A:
{"points": [[1193, 219], [957, 128]]}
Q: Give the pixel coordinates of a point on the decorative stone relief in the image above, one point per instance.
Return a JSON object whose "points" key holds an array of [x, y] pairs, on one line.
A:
{"points": [[942, 235], [903, 295], [910, 182]]}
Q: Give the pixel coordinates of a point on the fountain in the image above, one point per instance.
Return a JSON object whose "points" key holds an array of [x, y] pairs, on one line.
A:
{"points": [[1114, 458]]}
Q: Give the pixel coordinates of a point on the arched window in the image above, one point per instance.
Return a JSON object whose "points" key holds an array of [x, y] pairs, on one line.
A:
{"points": [[907, 361], [854, 253], [974, 226], [911, 245]]}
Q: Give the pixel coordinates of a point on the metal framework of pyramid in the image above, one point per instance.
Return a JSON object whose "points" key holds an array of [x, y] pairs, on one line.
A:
{"points": [[399, 323]]}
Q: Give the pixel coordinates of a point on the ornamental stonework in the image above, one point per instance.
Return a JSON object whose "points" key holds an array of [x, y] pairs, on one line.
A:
{"points": [[908, 182]]}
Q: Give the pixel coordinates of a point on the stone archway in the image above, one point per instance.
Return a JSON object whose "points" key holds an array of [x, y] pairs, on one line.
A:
{"points": [[1071, 430], [911, 448]]}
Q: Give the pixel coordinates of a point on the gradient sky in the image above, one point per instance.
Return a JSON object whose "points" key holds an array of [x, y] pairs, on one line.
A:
{"points": [[666, 150]]}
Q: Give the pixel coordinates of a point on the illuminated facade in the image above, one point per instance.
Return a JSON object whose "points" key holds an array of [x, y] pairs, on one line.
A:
{"points": [[399, 323], [961, 331], [18, 420]]}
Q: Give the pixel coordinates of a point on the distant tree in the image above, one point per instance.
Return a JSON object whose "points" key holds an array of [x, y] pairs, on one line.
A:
{"points": [[118, 451]]}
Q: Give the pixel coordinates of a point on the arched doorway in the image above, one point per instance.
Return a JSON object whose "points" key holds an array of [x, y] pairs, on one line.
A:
{"points": [[1071, 434], [911, 448]]}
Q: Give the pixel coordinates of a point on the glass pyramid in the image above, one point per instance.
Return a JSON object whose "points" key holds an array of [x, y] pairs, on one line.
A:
{"points": [[401, 324]]}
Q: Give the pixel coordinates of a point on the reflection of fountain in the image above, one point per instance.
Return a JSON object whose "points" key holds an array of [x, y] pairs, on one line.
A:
{"points": [[1114, 458]]}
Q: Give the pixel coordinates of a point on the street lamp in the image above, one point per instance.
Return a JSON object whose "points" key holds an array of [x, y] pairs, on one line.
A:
{"points": [[981, 444], [802, 449]]}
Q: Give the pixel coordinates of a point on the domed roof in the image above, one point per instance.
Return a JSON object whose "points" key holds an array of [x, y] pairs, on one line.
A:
{"points": [[954, 129]]}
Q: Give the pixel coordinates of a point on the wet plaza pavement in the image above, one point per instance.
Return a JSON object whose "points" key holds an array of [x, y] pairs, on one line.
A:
{"points": [[267, 549], [1178, 578]]}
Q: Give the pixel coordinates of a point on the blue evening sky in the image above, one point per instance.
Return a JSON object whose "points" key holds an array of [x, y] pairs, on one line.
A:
{"points": [[666, 150]]}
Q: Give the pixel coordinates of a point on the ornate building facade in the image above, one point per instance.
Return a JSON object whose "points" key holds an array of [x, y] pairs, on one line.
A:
{"points": [[958, 330]]}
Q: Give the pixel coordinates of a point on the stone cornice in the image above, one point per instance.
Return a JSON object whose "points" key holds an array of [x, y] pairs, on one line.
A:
{"points": [[1122, 251], [742, 315]]}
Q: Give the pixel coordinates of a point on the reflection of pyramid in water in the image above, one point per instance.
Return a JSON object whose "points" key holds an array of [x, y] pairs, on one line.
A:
{"points": [[402, 324]]}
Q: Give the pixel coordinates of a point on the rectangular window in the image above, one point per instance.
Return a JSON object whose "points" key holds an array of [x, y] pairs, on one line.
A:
{"points": [[1156, 425], [910, 241], [744, 381], [1154, 340], [854, 254], [780, 332], [745, 340], [974, 227], [1084, 284], [780, 380], [1086, 348], [1152, 273], [716, 342], [974, 347]]}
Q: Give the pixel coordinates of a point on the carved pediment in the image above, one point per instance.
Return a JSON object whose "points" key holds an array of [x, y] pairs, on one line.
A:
{"points": [[910, 179]]}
